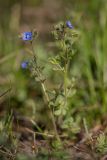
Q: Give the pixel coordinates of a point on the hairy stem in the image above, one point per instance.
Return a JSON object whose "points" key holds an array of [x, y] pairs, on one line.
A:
{"points": [[65, 81], [65, 72], [45, 94], [52, 115]]}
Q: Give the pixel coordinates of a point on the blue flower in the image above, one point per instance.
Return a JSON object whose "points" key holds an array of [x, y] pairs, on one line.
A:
{"points": [[24, 64], [27, 36], [69, 25]]}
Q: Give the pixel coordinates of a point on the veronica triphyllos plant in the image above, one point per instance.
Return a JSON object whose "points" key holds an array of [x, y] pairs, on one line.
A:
{"points": [[65, 36]]}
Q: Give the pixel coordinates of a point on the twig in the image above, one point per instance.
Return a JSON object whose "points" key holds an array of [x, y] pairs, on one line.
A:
{"points": [[6, 153], [79, 149], [45, 134], [5, 92]]}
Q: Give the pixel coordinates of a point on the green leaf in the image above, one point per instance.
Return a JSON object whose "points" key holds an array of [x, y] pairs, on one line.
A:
{"points": [[57, 112]]}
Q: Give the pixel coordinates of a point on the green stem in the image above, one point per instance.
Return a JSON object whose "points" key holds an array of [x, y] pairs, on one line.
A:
{"points": [[66, 76], [45, 92], [46, 96], [65, 71], [65, 81], [52, 116]]}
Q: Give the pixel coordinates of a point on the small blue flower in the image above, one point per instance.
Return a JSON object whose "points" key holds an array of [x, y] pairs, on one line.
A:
{"points": [[24, 64], [69, 25], [27, 36]]}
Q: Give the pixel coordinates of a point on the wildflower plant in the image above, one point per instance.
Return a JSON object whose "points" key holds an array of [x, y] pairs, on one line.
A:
{"points": [[57, 102]]}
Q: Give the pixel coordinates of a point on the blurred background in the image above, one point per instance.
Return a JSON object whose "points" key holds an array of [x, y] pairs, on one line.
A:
{"points": [[88, 64]]}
